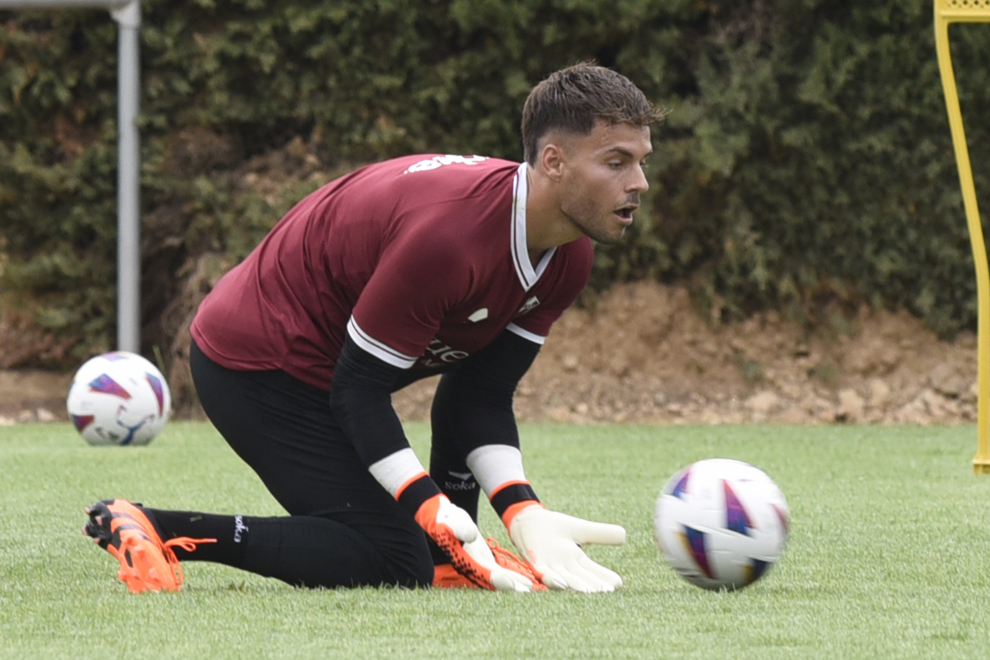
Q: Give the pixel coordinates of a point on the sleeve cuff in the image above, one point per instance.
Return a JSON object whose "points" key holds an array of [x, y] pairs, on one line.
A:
{"points": [[404, 477]]}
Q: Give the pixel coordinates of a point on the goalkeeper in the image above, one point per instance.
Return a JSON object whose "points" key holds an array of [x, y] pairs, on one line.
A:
{"points": [[413, 267]]}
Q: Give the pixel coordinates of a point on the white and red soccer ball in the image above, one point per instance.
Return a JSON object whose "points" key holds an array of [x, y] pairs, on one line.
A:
{"points": [[721, 523], [119, 398]]}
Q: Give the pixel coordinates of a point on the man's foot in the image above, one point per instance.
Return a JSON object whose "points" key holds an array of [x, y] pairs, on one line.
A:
{"points": [[146, 562], [446, 576]]}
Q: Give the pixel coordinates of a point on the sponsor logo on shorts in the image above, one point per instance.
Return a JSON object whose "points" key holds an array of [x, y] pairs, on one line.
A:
{"points": [[465, 481], [239, 528]]}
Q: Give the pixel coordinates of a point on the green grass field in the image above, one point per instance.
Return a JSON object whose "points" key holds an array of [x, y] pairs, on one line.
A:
{"points": [[889, 555]]}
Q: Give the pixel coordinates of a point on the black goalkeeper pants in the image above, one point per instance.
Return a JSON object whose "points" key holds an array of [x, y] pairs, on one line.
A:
{"points": [[343, 528]]}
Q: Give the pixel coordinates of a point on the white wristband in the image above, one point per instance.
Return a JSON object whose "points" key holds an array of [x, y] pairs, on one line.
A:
{"points": [[495, 465], [396, 469]]}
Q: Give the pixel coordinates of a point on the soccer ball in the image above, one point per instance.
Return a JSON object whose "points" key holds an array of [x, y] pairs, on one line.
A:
{"points": [[721, 523], [119, 399]]}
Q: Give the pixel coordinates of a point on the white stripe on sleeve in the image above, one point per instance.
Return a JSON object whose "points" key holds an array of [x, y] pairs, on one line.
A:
{"points": [[526, 334], [381, 351]]}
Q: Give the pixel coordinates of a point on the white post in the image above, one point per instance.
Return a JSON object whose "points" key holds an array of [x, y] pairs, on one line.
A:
{"points": [[127, 13]]}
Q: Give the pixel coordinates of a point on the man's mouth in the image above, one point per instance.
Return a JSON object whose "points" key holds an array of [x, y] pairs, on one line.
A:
{"points": [[625, 213]]}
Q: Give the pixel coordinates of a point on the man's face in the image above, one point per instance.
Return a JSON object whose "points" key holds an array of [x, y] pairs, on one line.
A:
{"points": [[602, 179]]}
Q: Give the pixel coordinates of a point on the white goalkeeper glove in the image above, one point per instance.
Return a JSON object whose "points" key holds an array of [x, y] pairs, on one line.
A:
{"points": [[457, 535], [551, 542]]}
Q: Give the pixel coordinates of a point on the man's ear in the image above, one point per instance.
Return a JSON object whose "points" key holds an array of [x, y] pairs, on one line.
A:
{"points": [[552, 160]]}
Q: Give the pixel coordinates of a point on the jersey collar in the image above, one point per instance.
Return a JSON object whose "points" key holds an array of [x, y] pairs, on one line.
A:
{"points": [[528, 275]]}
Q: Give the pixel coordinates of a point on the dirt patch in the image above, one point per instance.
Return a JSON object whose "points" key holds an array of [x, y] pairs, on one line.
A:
{"points": [[30, 396], [645, 354]]}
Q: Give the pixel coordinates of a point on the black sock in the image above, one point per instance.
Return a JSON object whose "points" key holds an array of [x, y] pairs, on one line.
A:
{"points": [[231, 534], [300, 550], [459, 485]]}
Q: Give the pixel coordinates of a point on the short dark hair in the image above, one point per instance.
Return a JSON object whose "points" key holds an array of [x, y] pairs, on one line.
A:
{"points": [[575, 98]]}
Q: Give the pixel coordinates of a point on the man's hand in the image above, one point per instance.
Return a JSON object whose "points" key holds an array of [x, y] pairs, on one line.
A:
{"points": [[551, 543], [457, 535]]}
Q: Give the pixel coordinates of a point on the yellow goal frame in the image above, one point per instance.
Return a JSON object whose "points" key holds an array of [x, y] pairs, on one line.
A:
{"points": [[969, 11]]}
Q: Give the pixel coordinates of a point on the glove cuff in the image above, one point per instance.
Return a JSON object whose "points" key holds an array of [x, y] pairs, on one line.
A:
{"points": [[515, 509], [512, 497], [413, 493]]}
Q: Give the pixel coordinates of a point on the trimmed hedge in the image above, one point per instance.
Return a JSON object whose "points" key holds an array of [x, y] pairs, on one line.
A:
{"points": [[806, 163]]}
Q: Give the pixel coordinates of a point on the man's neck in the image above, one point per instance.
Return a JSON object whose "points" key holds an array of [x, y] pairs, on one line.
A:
{"points": [[535, 256], [546, 225]]}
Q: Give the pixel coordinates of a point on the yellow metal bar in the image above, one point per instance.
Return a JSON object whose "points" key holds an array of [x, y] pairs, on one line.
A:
{"points": [[969, 11]]}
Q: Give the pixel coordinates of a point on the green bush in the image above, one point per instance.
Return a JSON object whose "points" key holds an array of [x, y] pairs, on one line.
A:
{"points": [[807, 160]]}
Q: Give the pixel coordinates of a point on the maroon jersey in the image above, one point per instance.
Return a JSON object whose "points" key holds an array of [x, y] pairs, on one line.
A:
{"points": [[422, 260]]}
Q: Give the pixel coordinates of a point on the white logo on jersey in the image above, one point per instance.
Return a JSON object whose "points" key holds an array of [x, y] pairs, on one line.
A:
{"points": [[439, 354], [529, 305], [440, 161], [480, 315]]}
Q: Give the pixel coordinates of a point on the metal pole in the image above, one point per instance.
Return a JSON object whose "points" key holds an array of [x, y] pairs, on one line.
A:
{"points": [[127, 13], [965, 11], [128, 20]]}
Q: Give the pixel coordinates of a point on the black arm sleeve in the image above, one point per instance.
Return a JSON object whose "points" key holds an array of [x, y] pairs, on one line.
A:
{"points": [[473, 403], [361, 402]]}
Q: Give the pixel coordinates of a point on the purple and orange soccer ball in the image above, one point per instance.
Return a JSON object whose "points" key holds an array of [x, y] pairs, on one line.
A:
{"points": [[721, 523], [119, 398]]}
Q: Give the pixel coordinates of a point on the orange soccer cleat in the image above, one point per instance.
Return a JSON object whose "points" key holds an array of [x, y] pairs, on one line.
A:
{"points": [[146, 562], [446, 576]]}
